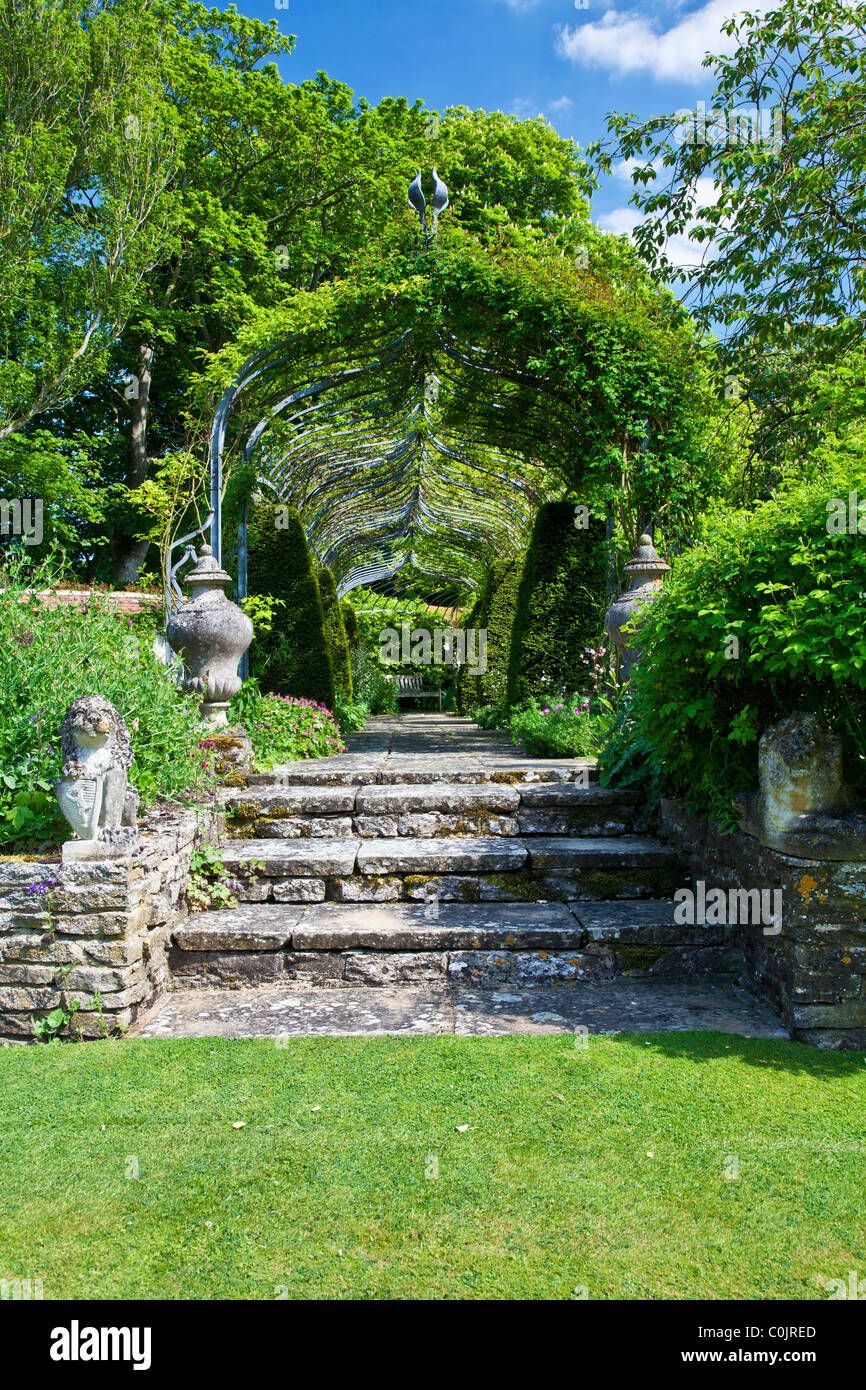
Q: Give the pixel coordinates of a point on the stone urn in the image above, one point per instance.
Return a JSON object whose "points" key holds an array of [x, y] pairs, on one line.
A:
{"points": [[645, 573], [211, 634]]}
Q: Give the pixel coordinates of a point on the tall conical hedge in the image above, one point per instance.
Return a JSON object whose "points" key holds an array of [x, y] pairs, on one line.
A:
{"points": [[560, 605], [294, 657], [335, 631], [494, 611]]}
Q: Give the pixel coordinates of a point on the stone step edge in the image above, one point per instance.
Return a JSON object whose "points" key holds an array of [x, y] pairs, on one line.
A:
{"points": [[343, 777], [295, 858], [345, 803], [283, 927]]}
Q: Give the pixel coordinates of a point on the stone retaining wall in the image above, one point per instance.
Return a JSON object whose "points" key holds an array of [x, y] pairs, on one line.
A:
{"points": [[814, 970], [112, 924]]}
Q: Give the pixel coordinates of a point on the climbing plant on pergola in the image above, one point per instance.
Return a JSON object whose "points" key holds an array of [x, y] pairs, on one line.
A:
{"points": [[420, 412]]}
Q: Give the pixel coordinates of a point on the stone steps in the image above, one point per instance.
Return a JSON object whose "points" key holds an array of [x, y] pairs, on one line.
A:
{"points": [[462, 868], [431, 810], [525, 945]]}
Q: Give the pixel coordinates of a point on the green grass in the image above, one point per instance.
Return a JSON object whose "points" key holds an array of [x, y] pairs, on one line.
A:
{"points": [[602, 1169]]}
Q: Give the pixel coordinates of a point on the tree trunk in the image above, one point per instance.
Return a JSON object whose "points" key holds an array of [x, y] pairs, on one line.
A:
{"points": [[128, 554]]}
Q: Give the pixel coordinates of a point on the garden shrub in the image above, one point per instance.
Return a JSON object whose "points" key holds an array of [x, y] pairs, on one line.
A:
{"points": [[370, 685], [335, 632], [560, 607], [567, 729], [293, 658], [50, 657], [764, 616]]}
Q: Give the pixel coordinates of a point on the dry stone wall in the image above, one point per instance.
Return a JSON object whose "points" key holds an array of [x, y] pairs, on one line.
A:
{"points": [[814, 969], [109, 922]]}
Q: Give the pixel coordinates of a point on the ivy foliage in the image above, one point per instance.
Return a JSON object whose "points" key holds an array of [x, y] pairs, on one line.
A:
{"points": [[763, 617], [293, 657], [560, 606]]}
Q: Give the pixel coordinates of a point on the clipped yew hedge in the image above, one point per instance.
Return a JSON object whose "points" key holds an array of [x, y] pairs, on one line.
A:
{"points": [[335, 632], [294, 658], [493, 610], [560, 606]]}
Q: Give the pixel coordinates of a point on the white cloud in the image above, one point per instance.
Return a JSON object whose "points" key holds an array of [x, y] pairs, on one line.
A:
{"points": [[680, 251], [525, 109], [626, 41], [561, 106]]}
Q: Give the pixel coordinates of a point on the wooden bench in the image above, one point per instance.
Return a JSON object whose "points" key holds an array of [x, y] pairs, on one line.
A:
{"points": [[413, 688]]}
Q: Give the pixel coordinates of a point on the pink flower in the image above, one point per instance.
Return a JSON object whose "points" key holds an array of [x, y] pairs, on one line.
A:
{"points": [[134, 725]]}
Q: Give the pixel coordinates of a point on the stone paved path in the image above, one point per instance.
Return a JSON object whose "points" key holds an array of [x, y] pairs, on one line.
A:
{"points": [[331, 937]]}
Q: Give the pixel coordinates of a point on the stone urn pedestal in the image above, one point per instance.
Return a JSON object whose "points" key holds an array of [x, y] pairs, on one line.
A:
{"points": [[211, 634], [645, 573]]}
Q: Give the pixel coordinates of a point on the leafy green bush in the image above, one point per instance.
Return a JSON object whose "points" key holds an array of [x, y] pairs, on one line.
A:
{"points": [[335, 632], [284, 729], [572, 728], [50, 657], [293, 658], [566, 730], [763, 617], [351, 715], [560, 606], [370, 686]]}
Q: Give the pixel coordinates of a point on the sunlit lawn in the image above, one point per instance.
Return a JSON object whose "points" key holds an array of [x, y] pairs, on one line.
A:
{"points": [[611, 1170]]}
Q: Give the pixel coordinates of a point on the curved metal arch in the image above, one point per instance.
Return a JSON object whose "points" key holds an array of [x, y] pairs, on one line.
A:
{"points": [[358, 442]]}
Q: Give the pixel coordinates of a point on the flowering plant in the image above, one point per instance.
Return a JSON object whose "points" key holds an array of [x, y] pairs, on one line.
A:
{"points": [[283, 728]]}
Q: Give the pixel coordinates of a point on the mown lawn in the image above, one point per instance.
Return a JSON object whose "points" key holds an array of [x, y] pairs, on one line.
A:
{"points": [[602, 1170]]}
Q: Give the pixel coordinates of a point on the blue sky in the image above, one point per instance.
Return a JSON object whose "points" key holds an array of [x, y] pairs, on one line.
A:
{"points": [[520, 56]]}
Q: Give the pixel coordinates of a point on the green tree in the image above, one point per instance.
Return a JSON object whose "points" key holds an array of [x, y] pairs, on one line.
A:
{"points": [[86, 154], [771, 183]]}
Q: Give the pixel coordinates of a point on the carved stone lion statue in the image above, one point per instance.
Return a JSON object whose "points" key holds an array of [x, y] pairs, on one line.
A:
{"points": [[96, 746]]}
